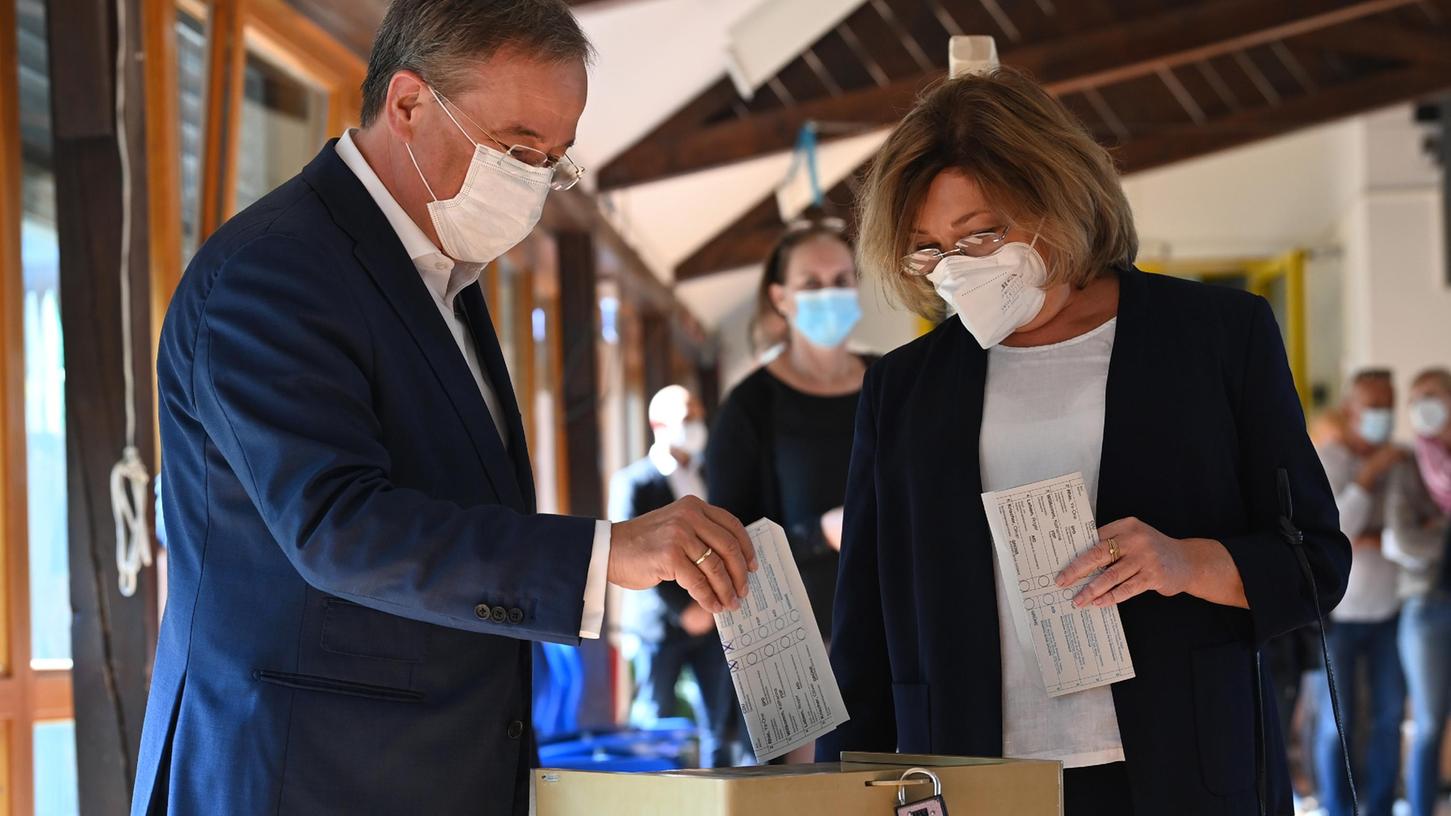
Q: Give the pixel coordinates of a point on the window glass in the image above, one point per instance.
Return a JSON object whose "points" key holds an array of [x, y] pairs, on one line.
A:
{"points": [[56, 792], [50, 615], [191, 73], [284, 124]]}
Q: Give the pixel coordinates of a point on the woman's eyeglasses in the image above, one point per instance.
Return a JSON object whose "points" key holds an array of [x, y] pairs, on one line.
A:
{"points": [[976, 245]]}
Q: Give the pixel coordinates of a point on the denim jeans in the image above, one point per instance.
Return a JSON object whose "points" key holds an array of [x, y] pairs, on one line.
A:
{"points": [[1353, 646], [1425, 641]]}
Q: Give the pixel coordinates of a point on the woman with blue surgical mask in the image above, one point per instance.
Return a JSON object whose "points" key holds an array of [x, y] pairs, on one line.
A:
{"points": [[782, 440]]}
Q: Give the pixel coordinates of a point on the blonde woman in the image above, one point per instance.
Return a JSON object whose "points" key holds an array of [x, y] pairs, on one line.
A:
{"points": [[991, 207]]}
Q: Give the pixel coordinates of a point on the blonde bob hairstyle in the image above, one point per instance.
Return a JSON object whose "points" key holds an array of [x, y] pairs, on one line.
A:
{"points": [[1030, 157]]}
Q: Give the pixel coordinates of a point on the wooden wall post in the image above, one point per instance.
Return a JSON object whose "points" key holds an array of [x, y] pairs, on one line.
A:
{"points": [[109, 634]]}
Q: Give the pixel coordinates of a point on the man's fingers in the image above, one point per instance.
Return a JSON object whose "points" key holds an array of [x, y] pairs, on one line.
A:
{"points": [[719, 577], [695, 582], [727, 551], [737, 530]]}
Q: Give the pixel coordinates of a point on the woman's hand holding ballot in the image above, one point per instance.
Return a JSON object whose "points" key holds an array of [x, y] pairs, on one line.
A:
{"points": [[1136, 558]]}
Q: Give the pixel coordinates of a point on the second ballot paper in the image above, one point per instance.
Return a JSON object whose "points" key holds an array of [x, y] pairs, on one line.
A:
{"points": [[1037, 530], [776, 656]]}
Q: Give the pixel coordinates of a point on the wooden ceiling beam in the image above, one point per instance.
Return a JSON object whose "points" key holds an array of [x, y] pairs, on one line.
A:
{"points": [[1374, 38], [1168, 145], [749, 238], [1111, 54]]}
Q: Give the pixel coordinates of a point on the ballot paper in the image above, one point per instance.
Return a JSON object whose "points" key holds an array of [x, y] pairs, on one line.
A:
{"points": [[1038, 529], [777, 659]]}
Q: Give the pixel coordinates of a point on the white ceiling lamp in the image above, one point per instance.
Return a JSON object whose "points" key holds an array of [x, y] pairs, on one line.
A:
{"points": [[971, 55], [776, 32]]}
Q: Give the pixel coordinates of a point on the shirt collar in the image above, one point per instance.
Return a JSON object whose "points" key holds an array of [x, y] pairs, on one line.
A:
{"points": [[444, 276]]}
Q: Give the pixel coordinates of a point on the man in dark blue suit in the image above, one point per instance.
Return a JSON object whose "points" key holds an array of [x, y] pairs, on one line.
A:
{"points": [[672, 630], [356, 564]]}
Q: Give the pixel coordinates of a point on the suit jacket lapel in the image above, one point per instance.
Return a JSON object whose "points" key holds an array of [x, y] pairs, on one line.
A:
{"points": [[378, 249], [492, 357]]}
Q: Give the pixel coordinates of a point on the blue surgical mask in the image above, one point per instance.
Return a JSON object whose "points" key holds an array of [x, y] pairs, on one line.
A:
{"points": [[1375, 425], [826, 316]]}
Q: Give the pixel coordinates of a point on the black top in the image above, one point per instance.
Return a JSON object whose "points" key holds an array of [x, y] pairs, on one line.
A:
{"points": [[780, 453]]}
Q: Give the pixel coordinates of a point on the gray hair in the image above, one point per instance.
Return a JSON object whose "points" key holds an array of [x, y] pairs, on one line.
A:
{"points": [[437, 38]]}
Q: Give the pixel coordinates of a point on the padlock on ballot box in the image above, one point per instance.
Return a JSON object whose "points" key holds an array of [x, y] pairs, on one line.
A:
{"points": [[934, 805]]}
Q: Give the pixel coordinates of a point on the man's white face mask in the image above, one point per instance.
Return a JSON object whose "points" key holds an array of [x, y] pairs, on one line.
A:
{"points": [[498, 205]]}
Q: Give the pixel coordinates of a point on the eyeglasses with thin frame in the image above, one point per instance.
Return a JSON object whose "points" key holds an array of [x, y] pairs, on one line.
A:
{"points": [[977, 245], [566, 172]]}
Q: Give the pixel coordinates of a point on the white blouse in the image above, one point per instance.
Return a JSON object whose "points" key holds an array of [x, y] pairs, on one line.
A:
{"points": [[1042, 418]]}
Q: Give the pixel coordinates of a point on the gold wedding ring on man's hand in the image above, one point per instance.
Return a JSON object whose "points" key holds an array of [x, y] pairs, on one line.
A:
{"points": [[708, 553], [1113, 553]]}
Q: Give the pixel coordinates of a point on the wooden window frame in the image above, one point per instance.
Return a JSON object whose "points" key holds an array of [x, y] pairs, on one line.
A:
{"points": [[28, 695], [284, 37]]}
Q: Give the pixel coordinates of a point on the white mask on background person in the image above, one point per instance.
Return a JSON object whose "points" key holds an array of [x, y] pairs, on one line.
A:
{"points": [[995, 295], [1429, 416], [498, 205], [690, 438], [1375, 425]]}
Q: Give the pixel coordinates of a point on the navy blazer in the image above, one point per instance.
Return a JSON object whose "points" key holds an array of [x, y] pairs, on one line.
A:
{"points": [[1201, 413], [355, 563]]}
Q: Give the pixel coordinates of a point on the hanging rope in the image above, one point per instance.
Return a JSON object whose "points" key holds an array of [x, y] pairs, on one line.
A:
{"points": [[129, 477]]}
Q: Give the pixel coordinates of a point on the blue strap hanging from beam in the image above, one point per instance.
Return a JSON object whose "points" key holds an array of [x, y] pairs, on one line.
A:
{"points": [[805, 154]]}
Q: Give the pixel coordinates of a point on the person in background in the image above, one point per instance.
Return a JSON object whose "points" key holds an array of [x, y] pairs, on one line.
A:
{"points": [[782, 441], [1175, 402], [1362, 636], [672, 629], [1418, 511]]}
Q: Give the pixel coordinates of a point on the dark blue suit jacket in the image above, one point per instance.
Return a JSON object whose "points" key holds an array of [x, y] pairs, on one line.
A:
{"points": [[355, 562], [1201, 412]]}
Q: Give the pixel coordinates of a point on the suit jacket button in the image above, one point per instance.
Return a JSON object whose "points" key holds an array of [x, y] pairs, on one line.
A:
{"points": [[500, 614], [516, 616], [516, 729], [482, 611]]}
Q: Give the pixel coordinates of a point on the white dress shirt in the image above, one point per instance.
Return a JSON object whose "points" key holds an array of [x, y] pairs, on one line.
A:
{"points": [[683, 481], [445, 278], [1042, 418]]}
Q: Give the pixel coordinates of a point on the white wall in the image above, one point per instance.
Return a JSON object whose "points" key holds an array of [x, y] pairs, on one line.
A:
{"points": [[1362, 196], [1397, 300]]}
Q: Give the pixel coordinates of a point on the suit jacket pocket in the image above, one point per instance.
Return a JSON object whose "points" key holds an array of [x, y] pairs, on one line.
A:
{"points": [[1224, 717], [334, 685], [357, 631], [914, 723]]}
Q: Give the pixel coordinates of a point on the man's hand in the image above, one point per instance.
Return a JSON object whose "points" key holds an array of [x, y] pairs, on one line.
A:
{"points": [[696, 621], [1377, 465], [666, 544], [1369, 541]]}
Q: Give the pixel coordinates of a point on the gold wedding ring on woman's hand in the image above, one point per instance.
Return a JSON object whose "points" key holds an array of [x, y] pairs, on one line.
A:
{"points": [[1113, 553], [708, 553]]}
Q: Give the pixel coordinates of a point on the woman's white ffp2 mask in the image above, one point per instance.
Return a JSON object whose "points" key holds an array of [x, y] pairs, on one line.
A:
{"points": [[995, 295]]}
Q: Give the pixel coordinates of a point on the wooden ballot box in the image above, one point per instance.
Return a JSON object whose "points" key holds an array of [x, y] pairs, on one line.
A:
{"points": [[853, 787]]}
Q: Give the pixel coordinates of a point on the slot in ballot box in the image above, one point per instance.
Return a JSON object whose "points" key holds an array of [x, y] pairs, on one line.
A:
{"points": [[970, 787]]}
